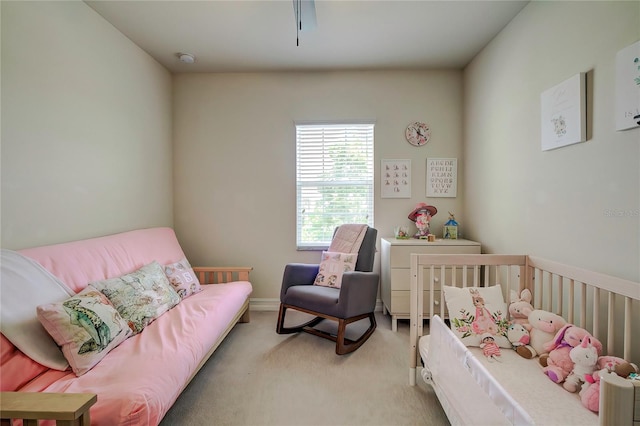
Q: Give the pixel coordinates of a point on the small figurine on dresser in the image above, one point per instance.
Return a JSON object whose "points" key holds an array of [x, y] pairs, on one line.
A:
{"points": [[422, 215], [450, 230]]}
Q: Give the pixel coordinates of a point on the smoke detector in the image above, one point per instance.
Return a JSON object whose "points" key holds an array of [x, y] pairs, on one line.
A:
{"points": [[186, 58]]}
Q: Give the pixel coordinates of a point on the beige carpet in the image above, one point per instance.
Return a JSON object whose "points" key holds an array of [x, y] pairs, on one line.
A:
{"points": [[257, 377]]}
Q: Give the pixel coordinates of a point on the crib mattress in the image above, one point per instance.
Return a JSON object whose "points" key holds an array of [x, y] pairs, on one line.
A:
{"points": [[514, 389]]}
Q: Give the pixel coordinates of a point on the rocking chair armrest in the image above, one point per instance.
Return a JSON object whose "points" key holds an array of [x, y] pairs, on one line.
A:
{"points": [[358, 292], [298, 274]]}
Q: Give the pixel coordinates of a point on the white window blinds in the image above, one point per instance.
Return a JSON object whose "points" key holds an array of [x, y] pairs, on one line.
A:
{"points": [[334, 180]]}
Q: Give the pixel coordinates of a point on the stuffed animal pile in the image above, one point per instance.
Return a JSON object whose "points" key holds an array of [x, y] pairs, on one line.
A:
{"points": [[569, 355]]}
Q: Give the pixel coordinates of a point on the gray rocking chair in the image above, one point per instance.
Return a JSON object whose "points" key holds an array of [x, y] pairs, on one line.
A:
{"points": [[353, 301]]}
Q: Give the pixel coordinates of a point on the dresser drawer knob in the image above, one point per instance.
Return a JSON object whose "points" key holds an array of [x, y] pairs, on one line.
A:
{"points": [[436, 279]]}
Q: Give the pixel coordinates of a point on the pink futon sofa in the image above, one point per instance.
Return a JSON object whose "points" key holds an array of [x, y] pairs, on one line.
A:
{"points": [[138, 381]]}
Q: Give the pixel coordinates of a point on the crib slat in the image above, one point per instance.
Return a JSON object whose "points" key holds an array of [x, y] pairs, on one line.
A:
{"points": [[610, 323], [627, 328], [560, 293], [571, 300], [596, 313], [464, 276], [583, 306], [442, 278]]}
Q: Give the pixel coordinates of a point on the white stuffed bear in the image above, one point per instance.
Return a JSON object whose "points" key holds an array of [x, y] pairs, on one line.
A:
{"points": [[519, 337]]}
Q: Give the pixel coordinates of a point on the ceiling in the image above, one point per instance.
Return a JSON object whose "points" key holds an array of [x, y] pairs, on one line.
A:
{"points": [[260, 35]]}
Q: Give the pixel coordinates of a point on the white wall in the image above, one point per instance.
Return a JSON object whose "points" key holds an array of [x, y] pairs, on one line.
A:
{"points": [[579, 204], [86, 128], [234, 156]]}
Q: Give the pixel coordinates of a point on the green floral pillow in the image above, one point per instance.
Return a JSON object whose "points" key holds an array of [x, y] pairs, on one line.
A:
{"points": [[86, 327], [141, 296], [474, 311]]}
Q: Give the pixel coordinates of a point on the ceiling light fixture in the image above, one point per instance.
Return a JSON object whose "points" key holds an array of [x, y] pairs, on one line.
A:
{"points": [[186, 58], [305, 14]]}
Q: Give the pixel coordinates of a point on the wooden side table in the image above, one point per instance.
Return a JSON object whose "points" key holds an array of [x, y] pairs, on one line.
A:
{"points": [[395, 271], [64, 408]]}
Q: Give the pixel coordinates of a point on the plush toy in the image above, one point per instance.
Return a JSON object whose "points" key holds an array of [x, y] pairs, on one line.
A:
{"points": [[520, 307], [490, 348], [616, 365], [544, 325], [519, 337], [559, 364], [590, 393], [584, 357]]}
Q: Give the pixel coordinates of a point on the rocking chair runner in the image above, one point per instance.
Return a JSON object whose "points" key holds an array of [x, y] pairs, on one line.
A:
{"points": [[353, 301]]}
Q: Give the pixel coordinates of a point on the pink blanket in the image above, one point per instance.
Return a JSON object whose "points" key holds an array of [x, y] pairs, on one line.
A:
{"points": [[139, 380]]}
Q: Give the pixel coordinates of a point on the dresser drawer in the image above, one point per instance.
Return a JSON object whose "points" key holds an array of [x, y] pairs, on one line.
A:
{"points": [[401, 278], [400, 256], [400, 303]]}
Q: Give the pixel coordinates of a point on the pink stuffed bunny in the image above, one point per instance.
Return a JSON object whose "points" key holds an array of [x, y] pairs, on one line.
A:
{"points": [[559, 363], [584, 357], [520, 308]]}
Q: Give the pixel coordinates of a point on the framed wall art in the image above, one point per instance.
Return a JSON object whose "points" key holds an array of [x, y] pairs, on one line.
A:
{"points": [[628, 87], [564, 113], [395, 178], [442, 177]]}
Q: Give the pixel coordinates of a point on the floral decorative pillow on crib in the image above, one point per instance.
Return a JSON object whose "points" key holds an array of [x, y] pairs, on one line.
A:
{"points": [[477, 310]]}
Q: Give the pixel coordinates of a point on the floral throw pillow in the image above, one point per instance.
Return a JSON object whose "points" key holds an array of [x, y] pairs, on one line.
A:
{"points": [[86, 327], [474, 311], [332, 266], [141, 296], [182, 278]]}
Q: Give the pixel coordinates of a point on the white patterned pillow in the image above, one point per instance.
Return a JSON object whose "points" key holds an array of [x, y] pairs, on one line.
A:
{"points": [[332, 266], [86, 327], [141, 296], [182, 278], [474, 311]]}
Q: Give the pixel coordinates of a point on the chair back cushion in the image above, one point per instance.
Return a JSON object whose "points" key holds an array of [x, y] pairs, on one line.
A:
{"points": [[367, 252]]}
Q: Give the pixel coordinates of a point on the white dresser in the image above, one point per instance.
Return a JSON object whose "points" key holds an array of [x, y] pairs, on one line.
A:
{"points": [[395, 280]]}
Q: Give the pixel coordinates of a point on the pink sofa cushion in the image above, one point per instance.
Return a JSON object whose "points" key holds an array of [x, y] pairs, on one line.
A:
{"points": [[80, 262]]}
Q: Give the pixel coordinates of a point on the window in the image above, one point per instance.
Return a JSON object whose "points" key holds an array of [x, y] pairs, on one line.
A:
{"points": [[334, 180]]}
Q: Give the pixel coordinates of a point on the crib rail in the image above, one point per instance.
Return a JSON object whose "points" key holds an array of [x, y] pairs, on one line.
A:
{"points": [[606, 306]]}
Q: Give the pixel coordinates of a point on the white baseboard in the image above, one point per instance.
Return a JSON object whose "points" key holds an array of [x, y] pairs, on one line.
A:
{"points": [[273, 305]]}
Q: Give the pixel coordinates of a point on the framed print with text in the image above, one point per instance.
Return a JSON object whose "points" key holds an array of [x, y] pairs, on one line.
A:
{"points": [[442, 177]]}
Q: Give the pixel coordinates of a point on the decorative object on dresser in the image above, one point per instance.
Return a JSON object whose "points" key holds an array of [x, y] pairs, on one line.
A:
{"points": [[421, 215], [395, 278], [450, 230]]}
